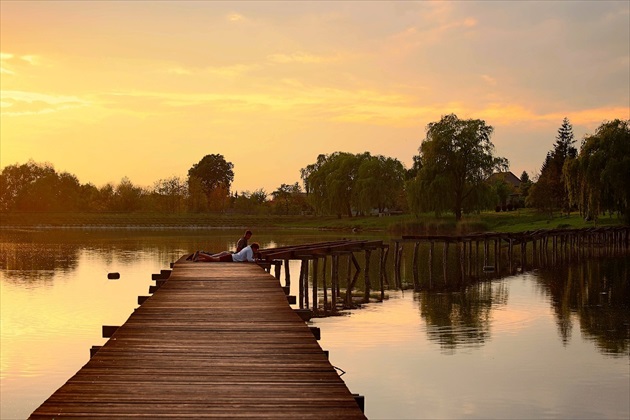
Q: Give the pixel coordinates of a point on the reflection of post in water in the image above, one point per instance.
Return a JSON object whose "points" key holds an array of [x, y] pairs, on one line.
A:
{"points": [[310, 255], [549, 247]]}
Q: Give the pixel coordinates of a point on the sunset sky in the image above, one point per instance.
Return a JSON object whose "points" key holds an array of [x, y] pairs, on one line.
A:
{"points": [[145, 89]]}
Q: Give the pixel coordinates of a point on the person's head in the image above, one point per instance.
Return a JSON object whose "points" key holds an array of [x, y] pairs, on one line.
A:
{"points": [[255, 246], [248, 234]]}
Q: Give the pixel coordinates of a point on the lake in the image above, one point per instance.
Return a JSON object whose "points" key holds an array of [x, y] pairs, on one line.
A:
{"points": [[549, 342]]}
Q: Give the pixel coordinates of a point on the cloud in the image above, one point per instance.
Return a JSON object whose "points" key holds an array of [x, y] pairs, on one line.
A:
{"points": [[489, 79], [11, 61], [235, 17], [18, 103], [302, 57]]}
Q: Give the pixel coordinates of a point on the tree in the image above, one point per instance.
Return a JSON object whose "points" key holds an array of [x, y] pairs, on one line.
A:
{"points": [[330, 182], [38, 187], [597, 179], [251, 202], [215, 176], [288, 199], [127, 197], [457, 157], [379, 182], [171, 193], [526, 183], [550, 193]]}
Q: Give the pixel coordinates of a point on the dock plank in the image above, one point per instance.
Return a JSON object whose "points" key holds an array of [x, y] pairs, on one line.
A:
{"points": [[217, 340]]}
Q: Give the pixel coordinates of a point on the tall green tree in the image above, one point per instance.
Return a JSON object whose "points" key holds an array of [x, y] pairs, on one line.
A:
{"points": [[330, 182], [597, 178], [550, 192], [457, 157], [215, 175], [380, 180]]}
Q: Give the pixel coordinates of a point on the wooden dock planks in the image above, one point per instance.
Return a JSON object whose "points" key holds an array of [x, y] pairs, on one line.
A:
{"points": [[216, 340]]}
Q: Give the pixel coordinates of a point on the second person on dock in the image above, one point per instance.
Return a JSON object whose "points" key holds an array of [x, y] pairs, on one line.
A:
{"points": [[244, 255]]}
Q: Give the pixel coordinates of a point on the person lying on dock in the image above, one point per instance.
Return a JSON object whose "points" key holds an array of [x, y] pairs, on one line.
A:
{"points": [[244, 255]]}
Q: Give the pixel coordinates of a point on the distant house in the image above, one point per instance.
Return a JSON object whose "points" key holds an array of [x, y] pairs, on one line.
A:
{"points": [[514, 197]]}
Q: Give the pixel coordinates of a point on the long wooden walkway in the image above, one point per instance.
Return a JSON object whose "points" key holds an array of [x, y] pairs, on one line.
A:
{"points": [[216, 340]]}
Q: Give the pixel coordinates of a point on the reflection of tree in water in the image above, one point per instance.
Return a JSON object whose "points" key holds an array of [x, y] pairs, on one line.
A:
{"points": [[23, 261], [598, 292], [461, 318]]}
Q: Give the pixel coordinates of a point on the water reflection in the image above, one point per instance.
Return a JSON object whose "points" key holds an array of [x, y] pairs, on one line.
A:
{"points": [[598, 292], [55, 298], [461, 318], [32, 262]]}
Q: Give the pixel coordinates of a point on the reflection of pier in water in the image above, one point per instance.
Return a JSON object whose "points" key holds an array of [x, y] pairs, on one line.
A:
{"points": [[310, 255], [506, 253]]}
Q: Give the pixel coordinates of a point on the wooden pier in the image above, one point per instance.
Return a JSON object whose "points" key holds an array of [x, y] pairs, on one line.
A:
{"points": [[539, 248], [310, 255], [214, 340]]}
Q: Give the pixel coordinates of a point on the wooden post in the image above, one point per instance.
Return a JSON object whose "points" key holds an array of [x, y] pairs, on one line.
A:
{"points": [[315, 273], [366, 296], [324, 284], [348, 298], [305, 280], [469, 257], [416, 282], [510, 253], [396, 264], [357, 267], [385, 254], [477, 257], [381, 270], [461, 247], [287, 274], [497, 264], [431, 264], [334, 282], [301, 284], [496, 255], [445, 261], [400, 255], [486, 250]]}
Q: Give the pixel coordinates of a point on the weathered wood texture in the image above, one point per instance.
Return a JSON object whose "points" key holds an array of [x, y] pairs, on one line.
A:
{"points": [[216, 340]]}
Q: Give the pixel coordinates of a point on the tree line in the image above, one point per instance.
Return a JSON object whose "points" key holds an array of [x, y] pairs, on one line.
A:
{"points": [[452, 173]]}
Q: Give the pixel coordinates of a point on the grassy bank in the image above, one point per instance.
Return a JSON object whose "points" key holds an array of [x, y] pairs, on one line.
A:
{"points": [[516, 221]]}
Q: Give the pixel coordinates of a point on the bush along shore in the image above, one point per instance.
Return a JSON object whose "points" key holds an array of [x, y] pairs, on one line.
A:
{"points": [[516, 221]]}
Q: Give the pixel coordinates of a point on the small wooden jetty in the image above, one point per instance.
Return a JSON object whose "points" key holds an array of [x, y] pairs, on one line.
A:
{"points": [[312, 254], [214, 340], [539, 247]]}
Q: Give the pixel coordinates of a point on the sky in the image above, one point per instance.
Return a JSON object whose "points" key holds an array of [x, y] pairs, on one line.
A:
{"points": [[144, 89]]}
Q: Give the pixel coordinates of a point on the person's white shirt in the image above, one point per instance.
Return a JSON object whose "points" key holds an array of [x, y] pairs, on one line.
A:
{"points": [[245, 254]]}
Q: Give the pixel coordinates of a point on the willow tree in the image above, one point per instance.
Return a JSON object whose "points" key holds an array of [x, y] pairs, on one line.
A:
{"points": [[597, 179], [457, 158], [380, 180], [330, 182]]}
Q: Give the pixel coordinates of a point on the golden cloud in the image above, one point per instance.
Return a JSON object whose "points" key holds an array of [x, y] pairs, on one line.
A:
{"points": [[21, 103]]}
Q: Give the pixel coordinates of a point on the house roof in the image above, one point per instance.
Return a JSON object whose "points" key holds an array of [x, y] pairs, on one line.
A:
{"points": [[507, 177]]}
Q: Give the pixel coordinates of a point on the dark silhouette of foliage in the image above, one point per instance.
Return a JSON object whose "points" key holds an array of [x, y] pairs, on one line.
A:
{"points": [[457, 157]]}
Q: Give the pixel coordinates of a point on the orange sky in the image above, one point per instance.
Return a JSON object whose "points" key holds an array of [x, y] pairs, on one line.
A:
{"points": [[144, 89]]}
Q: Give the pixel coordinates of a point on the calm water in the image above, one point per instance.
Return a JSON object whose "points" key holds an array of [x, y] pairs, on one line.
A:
{"points": [[547, 343]]}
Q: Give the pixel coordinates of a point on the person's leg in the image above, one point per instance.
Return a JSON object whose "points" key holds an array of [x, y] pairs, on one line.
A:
{"points": [[222, 254], [200, 256]]}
